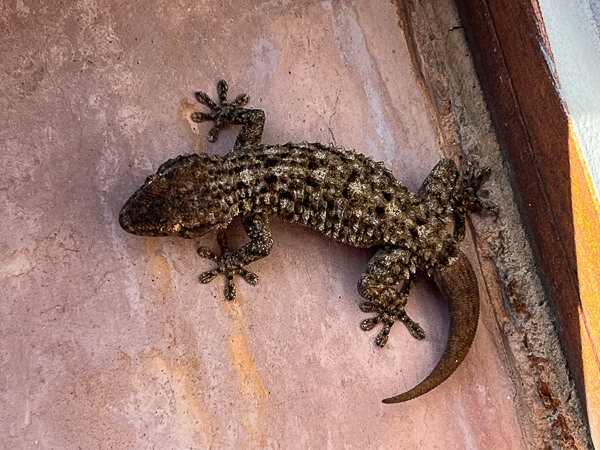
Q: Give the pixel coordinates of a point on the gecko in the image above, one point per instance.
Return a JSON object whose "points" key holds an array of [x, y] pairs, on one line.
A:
{"points": [[342, 194]]}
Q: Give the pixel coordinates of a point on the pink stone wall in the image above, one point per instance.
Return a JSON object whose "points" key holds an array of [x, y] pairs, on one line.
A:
{"points": [[107, 340]]}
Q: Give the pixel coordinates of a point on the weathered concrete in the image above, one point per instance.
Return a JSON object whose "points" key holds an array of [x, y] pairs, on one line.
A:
{"points": [[107, 339]]}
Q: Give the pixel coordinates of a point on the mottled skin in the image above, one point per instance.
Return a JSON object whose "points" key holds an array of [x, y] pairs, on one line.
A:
{"points": [[338, 192]]}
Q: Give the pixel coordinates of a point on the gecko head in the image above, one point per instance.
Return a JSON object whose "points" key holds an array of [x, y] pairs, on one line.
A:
{"points": [[182, 198]]}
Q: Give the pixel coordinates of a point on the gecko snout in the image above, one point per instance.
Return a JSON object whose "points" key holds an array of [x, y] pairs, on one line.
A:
{"points": [[136, 218]]}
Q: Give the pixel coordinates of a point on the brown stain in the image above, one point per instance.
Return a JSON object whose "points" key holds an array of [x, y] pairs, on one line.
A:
{"points": [[183, 374], [538, 362], [514, 293], [192, 412], [254, 395], [546, 394], [184, 111], [562, 431], [127, 395], [158, 267], [155, 385]]}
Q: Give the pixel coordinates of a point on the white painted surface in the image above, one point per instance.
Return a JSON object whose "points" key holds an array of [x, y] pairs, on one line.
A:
{"points": [[573, 28]]}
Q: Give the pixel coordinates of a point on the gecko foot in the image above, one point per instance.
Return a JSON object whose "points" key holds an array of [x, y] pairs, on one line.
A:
{"points": [[226, 266], [466, 199], [222, 114], [388, 316]]}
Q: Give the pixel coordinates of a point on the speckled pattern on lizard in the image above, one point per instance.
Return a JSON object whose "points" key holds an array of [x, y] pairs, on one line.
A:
{"points": [[341, 193]]}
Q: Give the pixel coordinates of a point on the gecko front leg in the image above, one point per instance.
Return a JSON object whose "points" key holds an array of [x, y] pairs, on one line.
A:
{"points": [[252, 120], [232, 262]]}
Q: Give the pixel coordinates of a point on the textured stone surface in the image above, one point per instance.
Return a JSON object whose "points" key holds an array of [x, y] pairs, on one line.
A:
{"points": [[108, 339]]}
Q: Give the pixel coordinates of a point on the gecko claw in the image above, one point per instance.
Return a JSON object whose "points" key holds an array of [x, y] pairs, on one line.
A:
{"points": [[413, 327], [368, 307], [369, 324], [207, 253], [241, 100], [229, 287], [213, 134], [203, 98], [222, 88], [250, 277], [207, 277], [200, 117], [383, 335]]}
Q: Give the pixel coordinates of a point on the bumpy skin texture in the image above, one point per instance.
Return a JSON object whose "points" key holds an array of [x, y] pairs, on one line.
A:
{"points": [[340, 193]]}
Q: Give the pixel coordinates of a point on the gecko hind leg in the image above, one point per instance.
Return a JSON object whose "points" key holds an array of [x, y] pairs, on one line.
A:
{"points": [[386, 270], [389, 312]]}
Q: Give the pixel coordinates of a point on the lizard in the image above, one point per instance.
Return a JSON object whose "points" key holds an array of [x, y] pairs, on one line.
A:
{"points": [[342, 194]]}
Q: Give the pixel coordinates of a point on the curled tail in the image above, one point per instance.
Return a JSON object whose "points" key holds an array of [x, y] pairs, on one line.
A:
{"points": [[458, 284]]}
